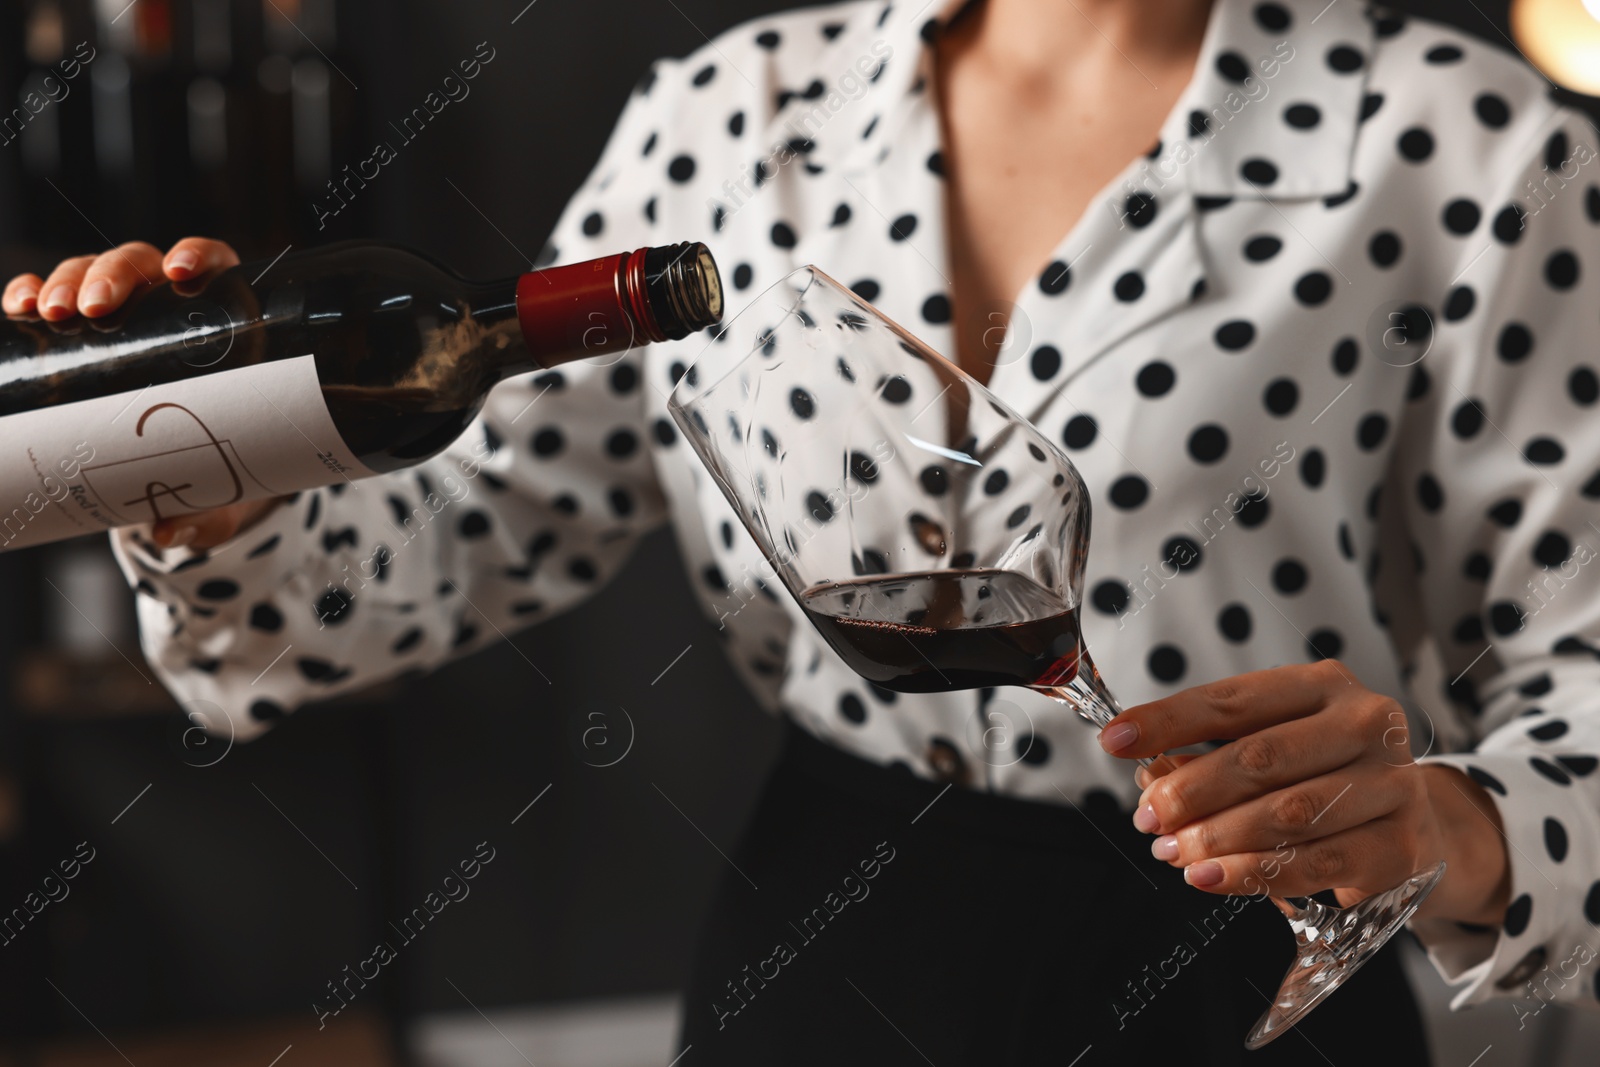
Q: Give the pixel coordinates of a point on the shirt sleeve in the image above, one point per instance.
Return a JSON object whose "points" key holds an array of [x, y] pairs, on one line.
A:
{"points": [[1499, 466], [536, 505]]}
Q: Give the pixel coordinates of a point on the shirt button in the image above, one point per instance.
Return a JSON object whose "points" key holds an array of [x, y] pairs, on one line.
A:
{"points": [[1531, 965], [947, 764]]}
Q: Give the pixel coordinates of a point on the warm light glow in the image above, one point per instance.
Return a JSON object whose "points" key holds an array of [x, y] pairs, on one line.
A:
{"points": [[1562, 37]]}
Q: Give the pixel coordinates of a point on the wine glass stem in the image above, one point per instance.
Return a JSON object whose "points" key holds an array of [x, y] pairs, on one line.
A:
{"points": [[1094, 702]]}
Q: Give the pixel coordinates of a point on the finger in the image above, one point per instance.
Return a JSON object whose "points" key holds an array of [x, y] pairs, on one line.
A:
{"points": [[1171, 761], [1302, 812], [1230, 707], [1371, 857], [197, 255], [1254, 766], [115, 275], [204, 530], [58, 296], [22, 294]]}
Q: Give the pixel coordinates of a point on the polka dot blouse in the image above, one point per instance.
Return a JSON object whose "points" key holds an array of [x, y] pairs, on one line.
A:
{"points": [[1327, 357]]}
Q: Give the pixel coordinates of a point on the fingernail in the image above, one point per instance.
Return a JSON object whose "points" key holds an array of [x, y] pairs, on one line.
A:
{"points": [[1141, 778], [60, 299], [1118, 737], [185, 261], [1165, 848], [1145, 819], [1203, 874], [96, 294], [23, 296]]}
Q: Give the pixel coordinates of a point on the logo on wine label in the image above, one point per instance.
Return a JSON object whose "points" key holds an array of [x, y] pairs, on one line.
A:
{"points": [[172, 481]]}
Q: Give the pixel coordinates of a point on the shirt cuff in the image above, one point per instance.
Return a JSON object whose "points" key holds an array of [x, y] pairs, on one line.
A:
{"points": [[1541, 950]]}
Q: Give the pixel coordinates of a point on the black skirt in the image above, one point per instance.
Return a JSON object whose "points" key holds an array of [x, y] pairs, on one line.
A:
{"points": [[874, 919]]}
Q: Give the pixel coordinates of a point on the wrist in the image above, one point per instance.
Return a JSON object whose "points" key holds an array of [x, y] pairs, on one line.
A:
{"points": [[1477, 884]]}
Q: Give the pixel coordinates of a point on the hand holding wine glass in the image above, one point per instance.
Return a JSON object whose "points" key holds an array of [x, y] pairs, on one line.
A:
{"points": [[96, 285], [1318, 788]]}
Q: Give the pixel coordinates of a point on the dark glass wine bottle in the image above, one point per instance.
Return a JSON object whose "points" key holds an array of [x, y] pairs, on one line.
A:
{"points": [[347, 360]]}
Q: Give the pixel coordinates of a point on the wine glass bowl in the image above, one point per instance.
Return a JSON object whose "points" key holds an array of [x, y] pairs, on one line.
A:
{"points": [[935, 538]]}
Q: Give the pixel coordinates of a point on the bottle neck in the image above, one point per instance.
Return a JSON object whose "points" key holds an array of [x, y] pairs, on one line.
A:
{"points": [[494, 311]]}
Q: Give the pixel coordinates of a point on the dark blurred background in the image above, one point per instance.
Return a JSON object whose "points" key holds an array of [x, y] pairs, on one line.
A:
{"points": [[223, 898]]}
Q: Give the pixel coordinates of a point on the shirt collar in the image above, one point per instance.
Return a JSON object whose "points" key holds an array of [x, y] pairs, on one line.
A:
{"points": [[1226, 137]]}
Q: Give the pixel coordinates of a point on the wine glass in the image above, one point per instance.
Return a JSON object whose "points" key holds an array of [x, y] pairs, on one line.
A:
{"points": [[935, 538]]}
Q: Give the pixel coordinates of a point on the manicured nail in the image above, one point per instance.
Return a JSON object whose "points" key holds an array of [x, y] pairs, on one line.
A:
{"points": [[22, 297], [1142, 778], [1145, 819], [1165, 848], [184, 260], [97, 294], [1118, 737], [60, 299], [1203, 874]]}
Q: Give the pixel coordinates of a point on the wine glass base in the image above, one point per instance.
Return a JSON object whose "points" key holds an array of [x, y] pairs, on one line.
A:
{"points": [[1328, 957]]}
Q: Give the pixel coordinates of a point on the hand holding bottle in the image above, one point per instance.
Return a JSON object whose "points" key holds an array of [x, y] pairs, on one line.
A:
{"points": [[95, 286]]}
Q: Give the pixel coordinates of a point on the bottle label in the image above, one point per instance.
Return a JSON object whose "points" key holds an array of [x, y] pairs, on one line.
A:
{"points": [[167, 450]]}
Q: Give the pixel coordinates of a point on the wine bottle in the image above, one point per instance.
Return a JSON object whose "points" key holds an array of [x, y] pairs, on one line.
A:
{"points": [[319, 367]]}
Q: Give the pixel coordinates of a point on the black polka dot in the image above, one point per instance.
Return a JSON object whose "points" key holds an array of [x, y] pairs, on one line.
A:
{"points": [[1272, 17], [266, 618], [1518, 915], [801, 404], [1430, 494], [1232, 66], [1313, 468], [1110, 597], [407, 641], [1515, 343], [1140, 210], [1289, 576], [866, 289], [1370, 105], [1055, 278], [1477, 567], [1506, 514], [1467, 419], [1509, 224], [818, 506], [736, 123], [1234, 623], [1156, 378], [621, 443], [1549, 731], [1442, 54], [1313, 288], [1550, 770], [1553, 549], [1302, 116], [1033, 750], [266, 710], [936, 309], [593, 223], [1129, 491], [1324, 644], [1079, 432], [666, 433], [1345, 356], [783, 235], [853, 710], [1505, 617], [1492, 110], [1384, 248], [547, 442], [1281, 396], [1561, 270], [996, 482], [1208, 443], [1487, 780], [1045, 361], [934, 480], [1235, 335], [895, 389], [218, 589], [1344, 59], [1583, 386], [1182, 552], [681, 169], [1259, 171], [903, 227], [1416, 144], [1459, 304], [704, 75], [474, 524], [334, 607], [1019, 516], [1166, 663], [1555, 839], [1262, 247], [1371, 431], [1129, 287], [1462, 216], [1544, 451], [768, 39]]}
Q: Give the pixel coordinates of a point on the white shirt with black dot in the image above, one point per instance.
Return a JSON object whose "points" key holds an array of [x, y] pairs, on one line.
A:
{"points": [[1215, 343]]}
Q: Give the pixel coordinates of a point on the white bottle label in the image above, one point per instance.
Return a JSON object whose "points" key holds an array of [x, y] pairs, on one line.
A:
{"points": [[167, 450]]}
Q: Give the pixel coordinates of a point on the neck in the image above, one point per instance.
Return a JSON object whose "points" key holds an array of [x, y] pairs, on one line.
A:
{"points": [[1044, 39]]}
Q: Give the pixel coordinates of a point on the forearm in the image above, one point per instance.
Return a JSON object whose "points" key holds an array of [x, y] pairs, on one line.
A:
{"points": [[1477, 884]]}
